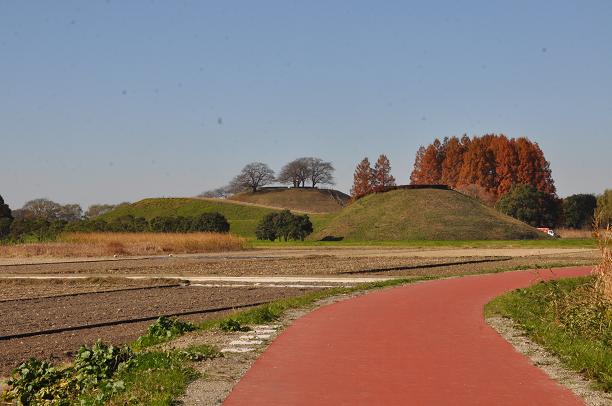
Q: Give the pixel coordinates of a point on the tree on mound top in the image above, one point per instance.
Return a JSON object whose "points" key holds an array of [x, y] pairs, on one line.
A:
{"points": [[301, 170], [362, 179], [6, 218], [381, 175], [493, 163], [252, 177], [295, 173]]}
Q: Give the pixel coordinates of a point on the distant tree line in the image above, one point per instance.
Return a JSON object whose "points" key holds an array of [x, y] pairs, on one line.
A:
{"points": [[44, 220], [298, 173]]}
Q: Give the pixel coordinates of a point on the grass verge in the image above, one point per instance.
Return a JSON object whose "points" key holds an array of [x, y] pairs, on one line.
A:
{"points": [[569, 319]]}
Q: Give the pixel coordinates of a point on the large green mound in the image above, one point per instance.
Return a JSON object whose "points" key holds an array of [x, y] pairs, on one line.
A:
{"points": [[301, 199], [423, 214], [243, 218]]}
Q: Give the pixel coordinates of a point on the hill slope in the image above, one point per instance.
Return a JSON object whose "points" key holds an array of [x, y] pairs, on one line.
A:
{"points": [[425, 214], [307, 200], [243, 218]]}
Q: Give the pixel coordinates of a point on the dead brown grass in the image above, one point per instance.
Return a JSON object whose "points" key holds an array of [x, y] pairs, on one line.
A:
{"points": [[109, 244], [574, 233], [604, 269]]}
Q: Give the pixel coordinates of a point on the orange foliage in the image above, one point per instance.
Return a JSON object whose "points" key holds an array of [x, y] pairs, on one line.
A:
{"points": [[362, 179], [382, 177], [492, 162]]}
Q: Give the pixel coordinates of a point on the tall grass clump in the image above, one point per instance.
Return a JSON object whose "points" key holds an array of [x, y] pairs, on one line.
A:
{"points": [[604, 269], [110, 243]]}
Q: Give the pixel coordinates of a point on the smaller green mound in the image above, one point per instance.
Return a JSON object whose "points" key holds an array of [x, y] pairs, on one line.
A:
{"points": [[301, 199], [243, 218], [423, 214]]}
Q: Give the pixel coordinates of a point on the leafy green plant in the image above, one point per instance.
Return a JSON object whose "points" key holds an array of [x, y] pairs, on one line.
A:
{"points": [[164, 329], [39, 382], [232, 325], [200, 353], [96, 365]]}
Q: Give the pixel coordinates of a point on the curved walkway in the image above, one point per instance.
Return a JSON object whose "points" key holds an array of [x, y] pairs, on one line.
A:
{"points": [[422, 344]]}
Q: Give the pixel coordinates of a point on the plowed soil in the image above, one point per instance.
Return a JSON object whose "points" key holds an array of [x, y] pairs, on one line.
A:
{"points": [[24, 316]]}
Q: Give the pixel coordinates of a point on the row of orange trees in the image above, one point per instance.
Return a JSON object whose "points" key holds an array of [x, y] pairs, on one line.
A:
{"points": [[488, 166]]}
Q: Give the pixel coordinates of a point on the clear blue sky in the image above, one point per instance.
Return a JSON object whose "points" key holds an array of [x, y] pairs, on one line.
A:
{"points": [[110, 101]]}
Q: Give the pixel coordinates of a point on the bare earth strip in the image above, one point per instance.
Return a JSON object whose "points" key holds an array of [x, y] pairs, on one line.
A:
{"points": [[334, 251]]}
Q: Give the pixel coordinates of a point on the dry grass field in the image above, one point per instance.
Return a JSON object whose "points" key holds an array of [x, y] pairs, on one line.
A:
{"points": [[574, 233], [109, 244]]}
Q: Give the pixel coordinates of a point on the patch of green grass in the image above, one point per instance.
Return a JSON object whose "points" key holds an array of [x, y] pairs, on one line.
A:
{"points": [[243, 218], [154, 378], [569, 320], [232, 325], [200, 352]]}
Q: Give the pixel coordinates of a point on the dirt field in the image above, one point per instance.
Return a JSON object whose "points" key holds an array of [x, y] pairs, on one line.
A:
{"points": [[104, 295], [36, 315], [313, 262]]}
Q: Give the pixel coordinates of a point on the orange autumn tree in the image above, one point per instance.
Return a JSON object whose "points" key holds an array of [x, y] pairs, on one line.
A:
{"points": [[362, 179], [381, 175], [428, 164], [490, 164]]}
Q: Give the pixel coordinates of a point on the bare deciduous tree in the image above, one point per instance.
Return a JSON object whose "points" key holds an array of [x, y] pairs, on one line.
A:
{"points": [[320, 172], [70, 212], [295, 173], [220, 192], [96, 210], [252, 176], [41, 208], [50, 210]]}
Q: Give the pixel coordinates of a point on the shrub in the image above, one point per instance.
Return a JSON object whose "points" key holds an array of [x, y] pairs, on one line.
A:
{"points": [[284, 225], [210, 222], [29, 229], [164, 328], [232, 325], [39, 382], [526, 203], [266, 229]]}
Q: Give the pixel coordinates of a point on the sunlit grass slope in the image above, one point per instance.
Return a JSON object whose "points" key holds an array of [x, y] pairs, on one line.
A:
{"points": [[423, 214]]}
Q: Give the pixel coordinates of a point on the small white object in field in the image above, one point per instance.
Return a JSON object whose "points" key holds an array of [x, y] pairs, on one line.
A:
{"points": [[115, 256], [237, 350], [170, 255], [246, 342]]}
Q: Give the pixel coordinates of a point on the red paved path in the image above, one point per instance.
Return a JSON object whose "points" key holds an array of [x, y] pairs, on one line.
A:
{"points": [[422, 344]]}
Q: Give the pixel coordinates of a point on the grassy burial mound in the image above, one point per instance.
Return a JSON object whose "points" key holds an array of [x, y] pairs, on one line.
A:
{"points": [[243, 218], [301, 199], [423, 214]]}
